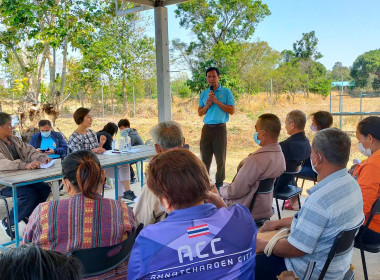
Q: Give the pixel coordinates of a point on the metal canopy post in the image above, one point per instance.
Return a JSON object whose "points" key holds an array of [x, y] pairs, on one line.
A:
{"points": [[162, 62]]}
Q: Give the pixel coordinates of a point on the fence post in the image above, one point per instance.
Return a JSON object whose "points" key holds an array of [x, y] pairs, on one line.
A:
{"points": [[341, 106], [361, 105], [330, 101]]}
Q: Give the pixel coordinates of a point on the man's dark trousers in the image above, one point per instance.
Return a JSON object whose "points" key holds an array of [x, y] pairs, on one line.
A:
{"points": [[214, 142], [28, 198]]}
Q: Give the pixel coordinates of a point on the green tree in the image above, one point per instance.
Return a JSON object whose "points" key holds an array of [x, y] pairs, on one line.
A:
{"points": [[256, 66], [339, 71], [221, 26], [32, 32], [366, 66], [306, 48]]}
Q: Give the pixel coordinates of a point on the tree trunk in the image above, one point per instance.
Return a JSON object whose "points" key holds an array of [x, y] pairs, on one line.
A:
{"points": [[64, 68], [125, 92], [52, 77]]}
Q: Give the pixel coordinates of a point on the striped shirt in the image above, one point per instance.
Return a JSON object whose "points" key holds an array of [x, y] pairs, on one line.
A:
{"points": [[334, 204], [86, 141], [80, 223]]}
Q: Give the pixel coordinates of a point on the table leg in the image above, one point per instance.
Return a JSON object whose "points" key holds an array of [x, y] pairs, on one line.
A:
{"points": [[142, 174], [55, 189], [116, 184], [15, 213]]}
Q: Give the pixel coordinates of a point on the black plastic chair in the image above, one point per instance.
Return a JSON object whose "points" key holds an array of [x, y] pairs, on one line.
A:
{"points": [[7, 210], [97, 261], [360, 241], [284, 182], [265, 186], [342, 244]]}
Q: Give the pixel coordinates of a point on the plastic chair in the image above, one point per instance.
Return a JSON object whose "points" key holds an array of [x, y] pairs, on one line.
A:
{"points": [[100, 260], [265, 186], [7, 210], [360, 242], [342, 244], [285, 182]]}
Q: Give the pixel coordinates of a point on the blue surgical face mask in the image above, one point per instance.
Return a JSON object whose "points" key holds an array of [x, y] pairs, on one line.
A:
{"points": [[45, 134], [257, 141], [313, 128]]}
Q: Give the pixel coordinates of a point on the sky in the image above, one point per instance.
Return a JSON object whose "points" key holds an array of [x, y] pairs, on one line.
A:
{"points": [[345, 28]]}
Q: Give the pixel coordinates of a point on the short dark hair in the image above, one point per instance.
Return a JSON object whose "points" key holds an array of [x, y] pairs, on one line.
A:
{"points": [[271, 124], [110, 128], [298, 118], [44, 122], [213, 69], [4, 118], [124, 122], [180, 176], [29, 262], [82, 168], [323, 119], [334, 144], [79, 115], [370, 125]]}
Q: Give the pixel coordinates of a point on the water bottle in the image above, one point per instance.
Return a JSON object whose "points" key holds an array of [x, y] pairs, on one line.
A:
{"points": [[113, 144], [128, 139]]}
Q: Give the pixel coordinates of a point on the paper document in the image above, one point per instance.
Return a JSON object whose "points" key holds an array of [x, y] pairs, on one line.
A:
{"points": [[47, 165]]}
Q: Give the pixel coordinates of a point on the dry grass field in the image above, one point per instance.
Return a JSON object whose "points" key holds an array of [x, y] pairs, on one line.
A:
{"points": [[240, 126]]}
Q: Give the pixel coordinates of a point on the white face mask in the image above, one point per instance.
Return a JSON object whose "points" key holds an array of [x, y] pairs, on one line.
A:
{"points": [[367, 152], [313, 166], [313, 128]]}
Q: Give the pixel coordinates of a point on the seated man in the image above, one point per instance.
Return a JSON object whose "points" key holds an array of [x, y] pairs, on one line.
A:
{"points": [[49, 142], [166, 135], [14, 155], [266, 162], [135, 140], [296, 148], [334, 204]]}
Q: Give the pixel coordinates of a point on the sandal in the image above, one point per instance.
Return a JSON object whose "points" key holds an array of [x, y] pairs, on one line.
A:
{"points": [[294, 207]]}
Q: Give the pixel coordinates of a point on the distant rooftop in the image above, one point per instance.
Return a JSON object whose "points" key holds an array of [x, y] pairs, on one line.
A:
{"points": [[345, 84]]}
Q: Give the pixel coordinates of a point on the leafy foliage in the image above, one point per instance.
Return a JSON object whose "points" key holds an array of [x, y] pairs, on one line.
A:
{"points": [[365, 66], [220, 26]]}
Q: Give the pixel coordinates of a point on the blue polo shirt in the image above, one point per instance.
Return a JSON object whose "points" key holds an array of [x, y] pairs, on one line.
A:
{"points": [[214, 114], [199, 242], [48, 142]]}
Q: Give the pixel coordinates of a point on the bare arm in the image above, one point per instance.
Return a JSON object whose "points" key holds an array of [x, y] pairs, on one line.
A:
{"points": [[278, 224], [282, 249], [202, 110]]}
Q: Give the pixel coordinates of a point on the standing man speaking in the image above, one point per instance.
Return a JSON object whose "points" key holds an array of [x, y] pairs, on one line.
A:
{"points": [[216, 103]]}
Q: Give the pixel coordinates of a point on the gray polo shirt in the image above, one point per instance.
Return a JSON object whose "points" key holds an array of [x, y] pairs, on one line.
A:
{"points": [[334, 204]]}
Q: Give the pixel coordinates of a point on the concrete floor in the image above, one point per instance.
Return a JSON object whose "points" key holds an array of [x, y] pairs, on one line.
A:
{"points": [[373, 260]]}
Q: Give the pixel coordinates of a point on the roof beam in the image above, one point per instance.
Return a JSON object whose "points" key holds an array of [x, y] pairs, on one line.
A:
{"points": [[132, 10]]}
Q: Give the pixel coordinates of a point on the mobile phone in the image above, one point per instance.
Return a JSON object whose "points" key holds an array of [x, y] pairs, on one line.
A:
{"points": [[42, 151]]}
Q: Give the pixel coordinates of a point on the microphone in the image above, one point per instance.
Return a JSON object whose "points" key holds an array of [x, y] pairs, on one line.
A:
{"points": [[211, 90]]}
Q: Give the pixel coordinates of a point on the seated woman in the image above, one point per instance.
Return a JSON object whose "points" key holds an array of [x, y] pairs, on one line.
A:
{"points": [[49, 142], [85, 220], [83, 138], [28, 262], [367, 172], [109, 130], [320, 120], [197, 239]]}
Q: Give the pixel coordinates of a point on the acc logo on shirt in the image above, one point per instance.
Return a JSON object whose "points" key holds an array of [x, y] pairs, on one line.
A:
{"points": [[198, 231]]}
